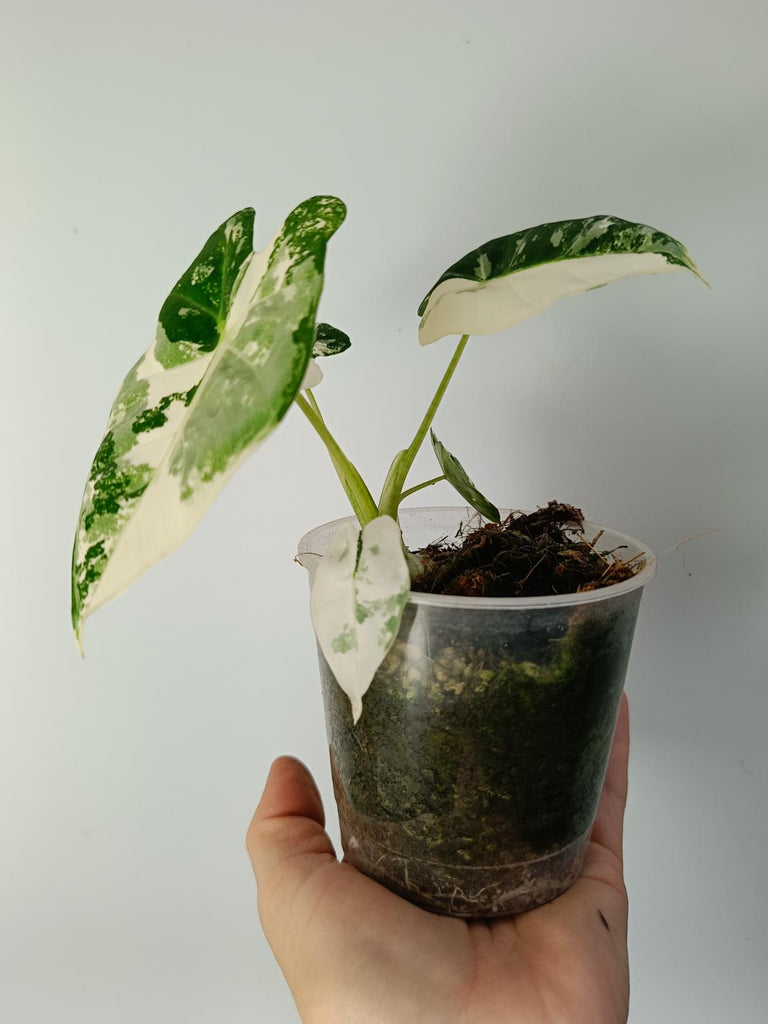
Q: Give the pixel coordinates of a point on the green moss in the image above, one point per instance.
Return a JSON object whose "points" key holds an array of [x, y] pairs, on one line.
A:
{"points": [[469, 753]]}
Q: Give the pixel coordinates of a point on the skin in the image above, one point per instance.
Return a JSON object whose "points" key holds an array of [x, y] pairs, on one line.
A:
{"points": [[355, 953]]}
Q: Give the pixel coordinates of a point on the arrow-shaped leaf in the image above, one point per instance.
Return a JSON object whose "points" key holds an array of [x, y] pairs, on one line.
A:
{"points": [[233, 343], [456, 475], [358, 595], [515, 277]]}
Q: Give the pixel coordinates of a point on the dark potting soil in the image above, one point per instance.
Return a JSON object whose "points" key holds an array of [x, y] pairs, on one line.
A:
{"points": [[527, 555]]}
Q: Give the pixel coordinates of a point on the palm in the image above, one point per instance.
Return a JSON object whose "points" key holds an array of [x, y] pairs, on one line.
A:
{"points": [[352, 951]]}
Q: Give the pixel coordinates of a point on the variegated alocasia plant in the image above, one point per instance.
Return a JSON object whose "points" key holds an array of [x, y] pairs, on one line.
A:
{"points": [[234, 350]]}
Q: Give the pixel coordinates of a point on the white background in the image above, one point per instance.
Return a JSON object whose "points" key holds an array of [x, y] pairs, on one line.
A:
{"points": [[129, 133]]}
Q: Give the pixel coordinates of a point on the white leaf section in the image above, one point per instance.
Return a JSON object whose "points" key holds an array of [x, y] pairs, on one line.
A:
{"points": [[462, 306], [246, 287], [358, 595], [312, 377]]}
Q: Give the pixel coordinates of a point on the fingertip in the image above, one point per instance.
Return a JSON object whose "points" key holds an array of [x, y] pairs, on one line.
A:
{"points": [[289, 792], [289, 759], [289, 819], [288, 766]]}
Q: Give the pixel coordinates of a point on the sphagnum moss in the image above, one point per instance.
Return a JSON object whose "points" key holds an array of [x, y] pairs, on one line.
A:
{"points": [[470, 758]]}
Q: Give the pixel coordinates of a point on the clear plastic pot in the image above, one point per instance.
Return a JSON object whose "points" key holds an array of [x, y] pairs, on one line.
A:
{"points": [[471, 782]]}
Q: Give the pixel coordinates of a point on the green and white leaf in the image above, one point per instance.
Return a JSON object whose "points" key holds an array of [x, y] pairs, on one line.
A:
{"points": [[358, 595], [456, 475], [329, 341], [232, 347], [515, 277]]}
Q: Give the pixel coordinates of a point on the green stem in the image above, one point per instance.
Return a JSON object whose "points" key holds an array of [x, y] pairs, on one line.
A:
{"points": [[313, 402], [426, 423], [419, 487], [354, 486], [392, 495]]}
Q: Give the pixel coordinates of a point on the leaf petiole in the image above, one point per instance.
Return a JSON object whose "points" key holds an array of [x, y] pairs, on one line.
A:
{"points": [[392, 492], [313, 402], [354, 486], [419, 487]]}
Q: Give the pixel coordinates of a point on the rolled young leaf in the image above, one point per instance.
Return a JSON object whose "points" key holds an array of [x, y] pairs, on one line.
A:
{"points": [[233, 344], [515, 277], [456, 475], [357, 600]]}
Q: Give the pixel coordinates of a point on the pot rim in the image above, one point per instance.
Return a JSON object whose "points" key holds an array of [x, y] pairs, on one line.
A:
{"points": [[546, 601]]}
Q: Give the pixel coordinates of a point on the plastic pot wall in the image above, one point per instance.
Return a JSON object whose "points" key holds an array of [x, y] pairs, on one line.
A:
{"points": [[471, 782]]}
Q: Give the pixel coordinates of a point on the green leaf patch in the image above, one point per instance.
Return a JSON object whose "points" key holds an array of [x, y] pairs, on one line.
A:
{"points": [[456, 475]]}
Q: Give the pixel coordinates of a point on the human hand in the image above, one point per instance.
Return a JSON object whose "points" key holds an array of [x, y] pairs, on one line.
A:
{"points": [[355, 953]]}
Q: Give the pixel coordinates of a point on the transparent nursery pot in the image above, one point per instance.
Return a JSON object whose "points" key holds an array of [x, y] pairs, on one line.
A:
{"points": [[471, 781]]}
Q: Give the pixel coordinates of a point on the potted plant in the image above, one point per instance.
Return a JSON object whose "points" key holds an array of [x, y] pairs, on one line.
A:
{"points": [[471, 669]]}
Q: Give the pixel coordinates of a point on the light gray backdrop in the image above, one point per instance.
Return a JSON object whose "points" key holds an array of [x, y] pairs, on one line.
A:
{"points": [[130, 132]]}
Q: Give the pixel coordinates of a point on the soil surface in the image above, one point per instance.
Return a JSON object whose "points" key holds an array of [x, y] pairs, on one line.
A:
{"points": [[527, 555]]}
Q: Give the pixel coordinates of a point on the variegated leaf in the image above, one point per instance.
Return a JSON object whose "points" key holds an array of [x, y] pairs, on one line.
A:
{"points": [[515, 277], [358, 595], [232, 347], [456, 475], [329, 341]]}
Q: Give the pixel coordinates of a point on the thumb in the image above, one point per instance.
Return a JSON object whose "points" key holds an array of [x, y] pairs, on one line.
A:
{"points": [[286, 839]]}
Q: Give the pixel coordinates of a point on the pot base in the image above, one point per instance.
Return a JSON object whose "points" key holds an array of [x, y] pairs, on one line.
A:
{"points": [[456, 890], [467, 891]]}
